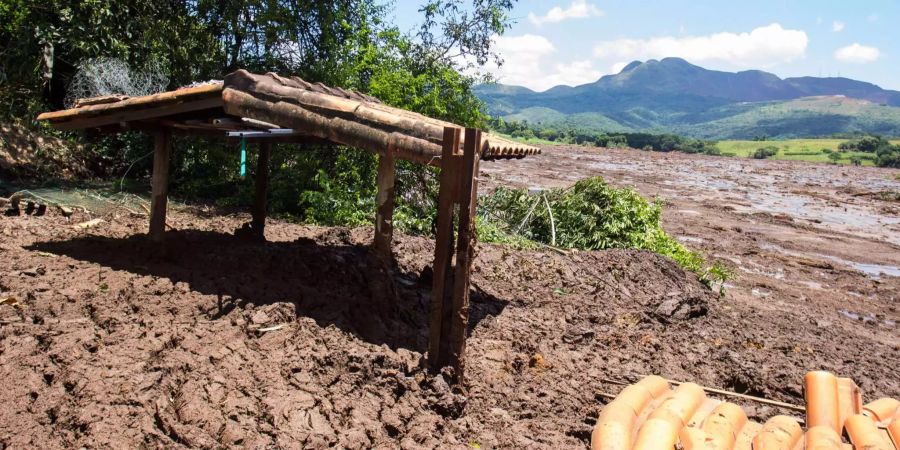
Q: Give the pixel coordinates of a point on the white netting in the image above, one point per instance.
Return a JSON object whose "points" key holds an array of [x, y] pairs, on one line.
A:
{"points": [[110, 76]]}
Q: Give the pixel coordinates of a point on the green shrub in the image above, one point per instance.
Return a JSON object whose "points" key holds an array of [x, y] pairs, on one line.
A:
{"points": [[591, 215], [765, 152]]}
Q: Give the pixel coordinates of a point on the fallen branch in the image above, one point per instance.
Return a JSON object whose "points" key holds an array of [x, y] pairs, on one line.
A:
{"points": [[552, 223]]}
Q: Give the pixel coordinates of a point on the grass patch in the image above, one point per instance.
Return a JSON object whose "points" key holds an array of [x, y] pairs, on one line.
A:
{"points": [[812, 150]]}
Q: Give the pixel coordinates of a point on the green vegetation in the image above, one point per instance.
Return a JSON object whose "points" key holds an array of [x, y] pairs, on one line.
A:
{"points": [[590, 215], [346, 43], [580, 136], [839, 151]]}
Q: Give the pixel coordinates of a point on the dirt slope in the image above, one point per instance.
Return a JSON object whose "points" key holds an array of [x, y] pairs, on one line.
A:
{"points": [[233, 344]]}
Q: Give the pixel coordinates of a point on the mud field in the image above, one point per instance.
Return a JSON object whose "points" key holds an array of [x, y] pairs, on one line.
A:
{"points": [[225, 343]]}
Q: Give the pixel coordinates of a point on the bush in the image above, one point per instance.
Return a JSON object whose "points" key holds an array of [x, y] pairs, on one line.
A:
{"points": [[591, 215], [765, 152]]}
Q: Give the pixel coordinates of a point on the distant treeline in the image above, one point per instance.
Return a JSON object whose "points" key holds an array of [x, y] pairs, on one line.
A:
{"points": [[645, 141], [884, 153]]}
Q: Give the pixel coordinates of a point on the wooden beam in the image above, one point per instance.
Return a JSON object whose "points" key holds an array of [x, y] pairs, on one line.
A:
{"points": [[130, 115], [335, 129], [467, 196], [384, 203], [160, 185], [205, 91], [260, 201], [441, 292]]}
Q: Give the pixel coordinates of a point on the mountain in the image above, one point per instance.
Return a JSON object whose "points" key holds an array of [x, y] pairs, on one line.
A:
{"points": [[673, 95]]}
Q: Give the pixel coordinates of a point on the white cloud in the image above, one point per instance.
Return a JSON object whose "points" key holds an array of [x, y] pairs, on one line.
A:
{"points": [[578, 9], [617, 67], [857, 54], [526, 62], [761, 47], [837, 26]]}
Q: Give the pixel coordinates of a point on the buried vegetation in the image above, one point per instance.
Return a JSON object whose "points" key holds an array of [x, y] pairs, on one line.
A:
{"points": [[590, 215]]}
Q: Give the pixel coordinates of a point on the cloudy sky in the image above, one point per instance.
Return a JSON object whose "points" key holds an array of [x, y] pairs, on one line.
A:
{"points": [[577, 41]]}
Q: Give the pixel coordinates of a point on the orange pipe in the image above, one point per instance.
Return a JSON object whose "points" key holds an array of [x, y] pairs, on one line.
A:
{"points": [[616, 423], [882, 409], [849, 399], [822, 405], [822, 438], [864, 434], [723, 426], [894, 432], [662, 427], [779, 433]]}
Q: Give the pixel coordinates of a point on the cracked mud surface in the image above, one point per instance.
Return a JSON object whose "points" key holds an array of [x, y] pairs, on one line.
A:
{"points": [[287, 344]]}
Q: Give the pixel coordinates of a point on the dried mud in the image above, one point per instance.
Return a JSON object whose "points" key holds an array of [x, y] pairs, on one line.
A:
{"points": [[224, 343]]}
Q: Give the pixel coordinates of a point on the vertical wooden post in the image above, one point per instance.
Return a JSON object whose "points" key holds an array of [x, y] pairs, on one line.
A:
{"points": [[467, 196], [450, 291], [443, 253], [384, 203], [258, 224], [160, 184]]}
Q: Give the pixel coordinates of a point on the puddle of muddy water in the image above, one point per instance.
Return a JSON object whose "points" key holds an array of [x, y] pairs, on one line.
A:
{"points": [[874, 271], [866, 317]]}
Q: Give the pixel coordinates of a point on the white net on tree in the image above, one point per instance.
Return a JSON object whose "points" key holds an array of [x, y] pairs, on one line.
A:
{"points": [[99, 77]]}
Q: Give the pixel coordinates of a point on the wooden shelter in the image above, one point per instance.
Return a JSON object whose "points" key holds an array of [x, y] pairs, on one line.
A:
{"points": [[270, 108]]}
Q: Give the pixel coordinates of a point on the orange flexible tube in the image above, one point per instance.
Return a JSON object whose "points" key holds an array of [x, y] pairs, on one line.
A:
{"points": [[616, 423], [894, 432], [662, 427], [865, 435], [822, 404], [779, 433], [849, 399], [882, 409], [721, 428], [822, 438]]}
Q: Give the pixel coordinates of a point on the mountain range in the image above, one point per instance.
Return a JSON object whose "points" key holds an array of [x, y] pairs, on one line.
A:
{"points": [[673, 95]]}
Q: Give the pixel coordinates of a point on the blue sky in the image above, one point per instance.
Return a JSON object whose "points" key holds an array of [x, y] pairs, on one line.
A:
{"points": [[578, 41]]}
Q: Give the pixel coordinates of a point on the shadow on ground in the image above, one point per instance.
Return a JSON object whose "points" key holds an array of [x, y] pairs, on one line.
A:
{"points": [[334, 284]]}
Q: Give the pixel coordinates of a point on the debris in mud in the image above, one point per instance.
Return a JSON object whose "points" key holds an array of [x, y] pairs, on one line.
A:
{"points": [[11, 301], [677, 308]]}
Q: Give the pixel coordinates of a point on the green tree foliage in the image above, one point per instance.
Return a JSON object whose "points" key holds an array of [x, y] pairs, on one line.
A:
{"points": [[344, 43], [886, 155], [645, 141]]}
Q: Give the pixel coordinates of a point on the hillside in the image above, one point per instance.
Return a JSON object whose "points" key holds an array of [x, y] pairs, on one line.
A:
{"points": [[674, 95]]}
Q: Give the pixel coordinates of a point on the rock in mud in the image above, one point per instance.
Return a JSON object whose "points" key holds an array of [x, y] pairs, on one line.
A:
{"points": [[677, 309]]}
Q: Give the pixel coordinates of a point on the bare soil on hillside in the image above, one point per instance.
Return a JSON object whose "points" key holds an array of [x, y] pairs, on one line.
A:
{"points": [[288, 344]]}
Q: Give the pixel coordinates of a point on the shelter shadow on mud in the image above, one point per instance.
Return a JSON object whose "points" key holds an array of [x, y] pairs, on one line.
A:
{"points": [[330, 283]]}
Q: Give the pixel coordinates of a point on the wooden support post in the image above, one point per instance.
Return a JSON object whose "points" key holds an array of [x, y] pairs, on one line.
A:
{"points": [[450, 291], [260, 201], [384, 203], [160, 185], [467, 197]]}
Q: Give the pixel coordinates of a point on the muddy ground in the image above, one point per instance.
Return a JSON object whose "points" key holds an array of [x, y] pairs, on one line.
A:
{"points": [[288, 344]]}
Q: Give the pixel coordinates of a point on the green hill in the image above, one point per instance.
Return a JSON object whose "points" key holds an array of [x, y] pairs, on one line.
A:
{"points": [[673, 95]]}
